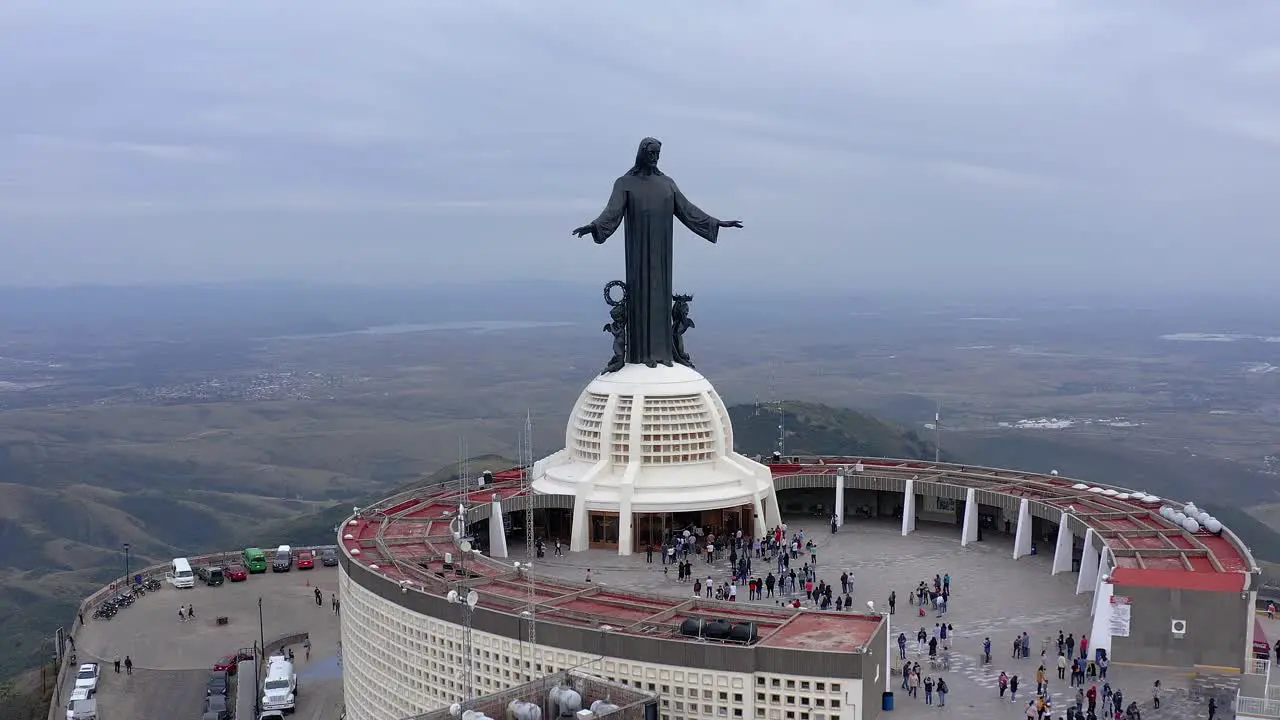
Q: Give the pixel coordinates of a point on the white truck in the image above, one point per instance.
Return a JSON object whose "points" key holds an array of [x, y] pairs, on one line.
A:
{"points": [[280, 689], [82, 705]]}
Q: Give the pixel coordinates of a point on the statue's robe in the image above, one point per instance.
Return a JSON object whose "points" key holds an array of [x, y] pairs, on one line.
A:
{"points": [[649, 204]]}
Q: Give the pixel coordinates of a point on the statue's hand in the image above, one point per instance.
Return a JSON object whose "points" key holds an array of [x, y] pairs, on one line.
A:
{"points": [[585, 230], [730, 223]]}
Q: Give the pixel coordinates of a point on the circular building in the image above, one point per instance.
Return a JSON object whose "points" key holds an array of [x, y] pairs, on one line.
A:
{"points": [[648, 450]]}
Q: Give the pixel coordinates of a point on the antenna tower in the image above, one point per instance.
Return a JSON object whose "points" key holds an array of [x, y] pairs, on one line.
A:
{"points": [[526, 482], [526, 486]]}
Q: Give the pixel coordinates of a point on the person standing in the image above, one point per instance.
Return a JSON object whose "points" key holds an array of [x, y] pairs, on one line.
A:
{"points": [[117, 664], [1062, 666], [942, 692]]}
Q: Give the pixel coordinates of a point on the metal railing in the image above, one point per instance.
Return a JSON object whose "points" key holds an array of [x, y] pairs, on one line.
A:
{"points": [[1258, 666], [1257, 707]]}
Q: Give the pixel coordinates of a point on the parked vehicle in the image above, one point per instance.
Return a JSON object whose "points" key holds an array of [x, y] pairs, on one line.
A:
{"points": [[229, 663], [215, 708], [180, 574], [211, 576], [76, 706], [218, 683], [236, 573], [280, 689], [255, 560], [283, 561], [329, 558], [83, 709], [306, 560], [87, 677]]}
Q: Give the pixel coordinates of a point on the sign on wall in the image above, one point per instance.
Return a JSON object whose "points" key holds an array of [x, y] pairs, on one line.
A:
{"points": [[1120, 616], [946, 504]]}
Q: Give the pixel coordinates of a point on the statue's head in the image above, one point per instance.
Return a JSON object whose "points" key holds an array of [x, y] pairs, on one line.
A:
{"points": [[647, 157]]}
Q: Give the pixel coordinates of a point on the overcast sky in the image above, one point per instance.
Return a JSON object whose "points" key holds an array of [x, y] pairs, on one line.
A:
{"points": [[1026, 143]]}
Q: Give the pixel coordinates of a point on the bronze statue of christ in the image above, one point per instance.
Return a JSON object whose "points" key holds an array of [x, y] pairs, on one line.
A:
{"points": [[649, 202]]}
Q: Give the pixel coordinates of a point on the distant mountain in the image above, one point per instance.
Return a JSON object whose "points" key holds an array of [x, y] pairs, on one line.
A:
{"points": [[814, 429], [320, 527]]}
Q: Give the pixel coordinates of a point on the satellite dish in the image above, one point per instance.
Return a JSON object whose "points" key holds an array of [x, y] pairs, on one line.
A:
{"points": [[452, 597], [473, 597], [464, 546]]}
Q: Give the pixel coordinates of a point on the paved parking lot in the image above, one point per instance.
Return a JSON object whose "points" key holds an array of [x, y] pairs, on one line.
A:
{"points": [[993, 596], [172, 659]]}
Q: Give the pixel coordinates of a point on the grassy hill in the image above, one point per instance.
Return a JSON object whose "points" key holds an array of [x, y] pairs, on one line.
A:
{"points": [[813, 429], [319, 527]]}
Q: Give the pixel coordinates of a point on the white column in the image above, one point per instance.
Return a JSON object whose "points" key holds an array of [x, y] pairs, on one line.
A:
{"points": [[1088, 564], [1100, 636], [969, 528], [1062, 550], [909, 508], [497, 530], [839, 498], [1105, 564], [626, 488], [1022, 536]]}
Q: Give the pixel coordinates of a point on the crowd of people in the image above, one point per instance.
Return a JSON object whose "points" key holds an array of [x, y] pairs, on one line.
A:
{"points": [[782, 565]]}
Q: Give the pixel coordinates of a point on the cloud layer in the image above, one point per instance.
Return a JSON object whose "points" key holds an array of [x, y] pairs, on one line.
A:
{"points": [[986, 143]]}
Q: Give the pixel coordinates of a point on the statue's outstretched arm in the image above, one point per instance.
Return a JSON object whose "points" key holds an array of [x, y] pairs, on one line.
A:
{"points": [[610, 218]]}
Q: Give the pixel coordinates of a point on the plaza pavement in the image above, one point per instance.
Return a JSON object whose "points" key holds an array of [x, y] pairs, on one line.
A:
{"points": [[993, 596], [172, 659]]}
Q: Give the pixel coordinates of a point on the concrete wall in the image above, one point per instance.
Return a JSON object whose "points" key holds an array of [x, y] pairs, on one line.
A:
{"points": [[1210, 639], [659, 650], [874, 663]]}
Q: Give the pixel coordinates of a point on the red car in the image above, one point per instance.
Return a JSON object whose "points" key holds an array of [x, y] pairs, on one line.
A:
{"points": [[236, 573], [306, 560], [229, 663]]}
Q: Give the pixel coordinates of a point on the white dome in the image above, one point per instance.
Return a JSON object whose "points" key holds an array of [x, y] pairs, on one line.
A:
{"points": [[654, 440], [1079, 486], [1109, 492]]}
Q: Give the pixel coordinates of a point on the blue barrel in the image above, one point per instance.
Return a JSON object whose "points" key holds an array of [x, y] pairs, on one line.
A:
{"points": [[886, 701]]}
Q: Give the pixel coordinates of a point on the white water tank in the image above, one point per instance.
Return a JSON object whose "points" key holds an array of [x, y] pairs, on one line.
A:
{"points": [[1202, 517], [1190, 525], [1079, 486], [1166, 512], [1178, 518], [603, 707], [1189, 509], [1212, 525], [474, 715], [522, 710]]}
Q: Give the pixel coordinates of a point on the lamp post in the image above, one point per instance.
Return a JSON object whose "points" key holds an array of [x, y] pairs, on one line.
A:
{"points": [[260, 652], [126, 565]]}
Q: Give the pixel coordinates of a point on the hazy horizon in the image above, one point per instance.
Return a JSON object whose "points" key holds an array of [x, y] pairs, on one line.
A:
{"points": [[978, 148]]}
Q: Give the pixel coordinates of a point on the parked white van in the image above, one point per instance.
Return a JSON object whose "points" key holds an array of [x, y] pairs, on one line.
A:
{"points": [[180, 575], [280, 689]]}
